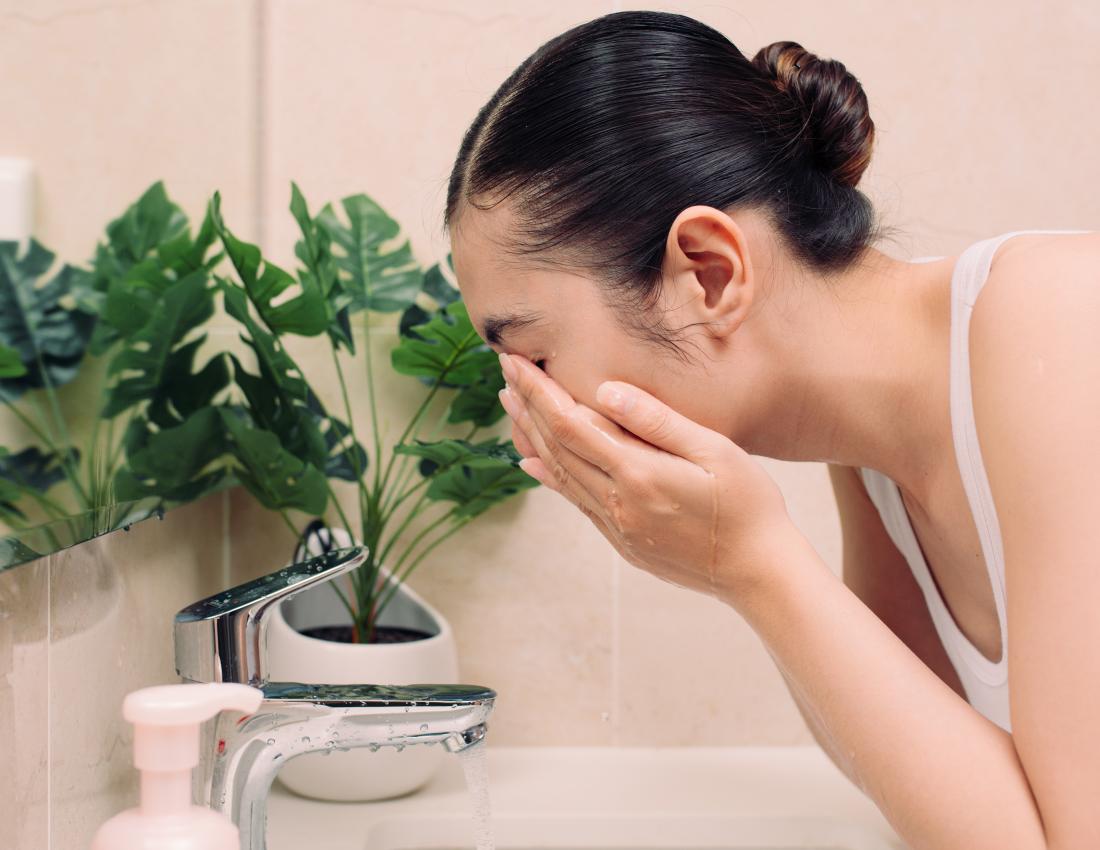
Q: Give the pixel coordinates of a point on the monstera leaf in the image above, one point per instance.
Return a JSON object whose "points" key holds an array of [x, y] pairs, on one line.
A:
{"points": [[176, 463], [436, 292], [279, 397], [475, 475], [304, 314], [10, 364], [31, 470], [47, 335], [315, 250], [156, 363], [377, 276], [277, 478], [446, 349], [148, 248]]}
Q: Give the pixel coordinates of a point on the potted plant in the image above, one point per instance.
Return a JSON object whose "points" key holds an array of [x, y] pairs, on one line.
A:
{"points": [[408, 500]]}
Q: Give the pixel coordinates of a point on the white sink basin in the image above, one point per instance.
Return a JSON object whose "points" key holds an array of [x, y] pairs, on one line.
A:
{"points": [[634, 832], [607, 798]]}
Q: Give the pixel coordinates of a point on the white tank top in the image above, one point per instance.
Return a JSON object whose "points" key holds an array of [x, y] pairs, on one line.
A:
{"points": [[985, 681]]}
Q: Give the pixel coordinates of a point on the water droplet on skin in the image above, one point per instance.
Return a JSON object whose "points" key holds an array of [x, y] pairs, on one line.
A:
{"points": [[271, 740], [676, 506], [423, 727], [373, 747], [649, 541], [328, 743], [305, 739]]}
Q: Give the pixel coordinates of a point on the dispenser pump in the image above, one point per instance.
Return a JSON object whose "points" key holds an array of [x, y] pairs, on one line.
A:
{"points": [[166, 722]]}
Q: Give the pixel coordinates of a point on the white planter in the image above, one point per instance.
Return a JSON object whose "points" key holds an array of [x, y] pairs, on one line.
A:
{"points": [[360, 774]]}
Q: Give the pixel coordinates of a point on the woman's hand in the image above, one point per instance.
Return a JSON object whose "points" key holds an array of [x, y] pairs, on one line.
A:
{"points": [[678, 500]]}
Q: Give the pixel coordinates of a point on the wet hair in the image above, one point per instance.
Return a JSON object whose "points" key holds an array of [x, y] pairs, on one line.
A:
{"points": [[608, 131]]}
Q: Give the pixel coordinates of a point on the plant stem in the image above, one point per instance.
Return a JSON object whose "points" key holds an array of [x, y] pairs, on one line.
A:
{"points": [[293, 531], [408, 571], [351, 427], [339, 509], [63, 429], [373, 404], [412, 514]]}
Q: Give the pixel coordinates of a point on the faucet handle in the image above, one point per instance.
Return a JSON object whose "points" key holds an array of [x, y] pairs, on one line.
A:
{"points": [[221, 638]]}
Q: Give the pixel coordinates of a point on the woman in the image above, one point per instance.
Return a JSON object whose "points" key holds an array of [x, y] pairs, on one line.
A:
{"points": [[665, 244]]}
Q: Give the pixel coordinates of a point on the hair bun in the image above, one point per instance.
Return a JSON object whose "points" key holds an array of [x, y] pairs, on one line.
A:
{"points": [[839, 131]]}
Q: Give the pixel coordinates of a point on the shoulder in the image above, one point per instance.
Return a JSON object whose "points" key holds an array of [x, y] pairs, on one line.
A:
{"points": [[1035, 361], [1037, 277], [1042, 295]]}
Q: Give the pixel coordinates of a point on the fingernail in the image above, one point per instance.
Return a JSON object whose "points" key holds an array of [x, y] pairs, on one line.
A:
{"points": [[508, 401], [526, 462], [507, 367]]}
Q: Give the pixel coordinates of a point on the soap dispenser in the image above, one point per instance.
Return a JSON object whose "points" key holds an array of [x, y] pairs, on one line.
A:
{"points": [[166, 722]]}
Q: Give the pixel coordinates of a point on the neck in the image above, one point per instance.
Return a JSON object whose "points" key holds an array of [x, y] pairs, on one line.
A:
{"points": [[868, 385]]}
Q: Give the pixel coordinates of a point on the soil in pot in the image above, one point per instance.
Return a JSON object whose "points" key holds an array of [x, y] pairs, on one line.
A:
{"points": [[382, 634]]}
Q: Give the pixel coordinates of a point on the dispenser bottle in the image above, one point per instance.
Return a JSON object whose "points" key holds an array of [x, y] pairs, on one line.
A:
{"points": [[166, 722]]}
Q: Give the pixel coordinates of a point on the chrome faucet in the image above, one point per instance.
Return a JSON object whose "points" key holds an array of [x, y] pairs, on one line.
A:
{"points": [[222, 639]]}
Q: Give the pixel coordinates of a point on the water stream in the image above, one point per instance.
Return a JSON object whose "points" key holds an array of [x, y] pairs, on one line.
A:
{"points": [[476, 768]]}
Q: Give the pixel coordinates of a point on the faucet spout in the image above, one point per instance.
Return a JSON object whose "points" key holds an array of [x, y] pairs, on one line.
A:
{"points": [[297, 718]]}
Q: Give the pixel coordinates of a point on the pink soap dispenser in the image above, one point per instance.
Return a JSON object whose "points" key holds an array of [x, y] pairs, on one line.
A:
{"points": [[166, 722]]}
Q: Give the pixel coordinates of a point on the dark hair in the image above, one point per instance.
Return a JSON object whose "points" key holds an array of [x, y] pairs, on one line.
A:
{"points": [[609, 130]]}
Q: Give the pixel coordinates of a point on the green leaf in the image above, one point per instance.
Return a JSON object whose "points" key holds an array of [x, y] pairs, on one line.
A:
{"points": [[176, 463], [40, 323], [315, 250], [34, 469], [304, 314], [10, 364], [376, 274], [475, 475], [279, 398], [156, 361], [477, 489], [345, 458], [273, 475], [446, 348], [436, 292], [489, 453], [148, 248], [479, 403]]}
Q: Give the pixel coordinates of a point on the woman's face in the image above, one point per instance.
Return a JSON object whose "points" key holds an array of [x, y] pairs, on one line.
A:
{"points": [[559, 321]]}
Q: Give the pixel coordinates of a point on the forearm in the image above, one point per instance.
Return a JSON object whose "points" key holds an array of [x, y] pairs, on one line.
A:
{"points": [[944, 776], [820, 733]]}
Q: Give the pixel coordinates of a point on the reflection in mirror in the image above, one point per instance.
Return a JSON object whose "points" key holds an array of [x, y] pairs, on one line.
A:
{"points": [[30, 544]]}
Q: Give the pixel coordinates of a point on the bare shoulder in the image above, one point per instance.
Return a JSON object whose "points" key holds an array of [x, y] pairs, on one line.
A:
{"points": [[1038, 278]]}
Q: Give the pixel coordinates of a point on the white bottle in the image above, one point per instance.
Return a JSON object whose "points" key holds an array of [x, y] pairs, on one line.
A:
{"points": [[166, 722]]}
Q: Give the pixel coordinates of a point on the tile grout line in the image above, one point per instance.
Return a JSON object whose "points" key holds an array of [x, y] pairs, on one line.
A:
{"points": [[258, 140]]}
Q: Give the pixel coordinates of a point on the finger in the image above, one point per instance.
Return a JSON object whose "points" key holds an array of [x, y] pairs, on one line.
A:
{"points": [[587, 433], [537, 470], [524, 446], [570, 474], [655, 422]]}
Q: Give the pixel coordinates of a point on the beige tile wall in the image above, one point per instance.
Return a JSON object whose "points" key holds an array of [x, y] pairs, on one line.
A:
{"points": [[978, 108], [80, 629]]}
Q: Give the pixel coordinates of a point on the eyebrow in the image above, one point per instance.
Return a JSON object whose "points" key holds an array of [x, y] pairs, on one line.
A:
{"points": [[497, 326]]}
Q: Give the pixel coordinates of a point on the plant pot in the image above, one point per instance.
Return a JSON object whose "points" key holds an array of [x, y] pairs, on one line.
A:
{"points": [[360, 774]]}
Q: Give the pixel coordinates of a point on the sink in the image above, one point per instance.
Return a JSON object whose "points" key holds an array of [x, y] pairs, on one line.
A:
{"points": [[626, 832], [607, 798]]}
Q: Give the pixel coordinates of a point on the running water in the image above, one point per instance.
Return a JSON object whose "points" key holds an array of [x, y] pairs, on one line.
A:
{"points": [[476, 769]]}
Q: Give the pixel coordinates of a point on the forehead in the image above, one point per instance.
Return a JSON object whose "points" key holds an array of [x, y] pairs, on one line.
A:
{"points": [[492, 283]]}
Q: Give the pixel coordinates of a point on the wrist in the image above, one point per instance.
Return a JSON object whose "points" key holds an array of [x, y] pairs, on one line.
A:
{"points": [[782, 560]]}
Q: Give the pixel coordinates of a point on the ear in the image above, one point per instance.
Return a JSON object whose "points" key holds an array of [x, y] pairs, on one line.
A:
{"points": [[708, 273]]}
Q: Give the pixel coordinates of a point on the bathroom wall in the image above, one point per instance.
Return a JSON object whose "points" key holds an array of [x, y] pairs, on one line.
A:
{"points": [[980, 130]]}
